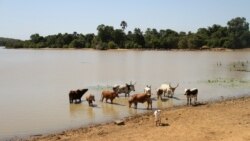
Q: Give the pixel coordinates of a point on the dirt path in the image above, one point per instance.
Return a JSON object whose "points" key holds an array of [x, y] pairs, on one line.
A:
{"points": [[225, 121]]}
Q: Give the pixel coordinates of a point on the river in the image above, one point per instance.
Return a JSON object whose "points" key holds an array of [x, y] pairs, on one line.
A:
{"points": [[34, 84]]}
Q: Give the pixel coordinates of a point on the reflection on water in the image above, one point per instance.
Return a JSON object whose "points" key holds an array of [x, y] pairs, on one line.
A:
{"points": [[34, 84], [109, 109], [165, 103], [77, 110]]}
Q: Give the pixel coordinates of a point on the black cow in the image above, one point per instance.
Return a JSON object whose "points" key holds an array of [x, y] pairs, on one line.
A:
{"points": [[76, 95], [193, 93]]}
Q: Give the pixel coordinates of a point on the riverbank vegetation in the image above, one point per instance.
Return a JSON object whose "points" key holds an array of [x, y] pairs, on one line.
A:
{"points": [[235, 35]]}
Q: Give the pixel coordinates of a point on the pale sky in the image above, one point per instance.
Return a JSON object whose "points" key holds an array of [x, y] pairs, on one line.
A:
{"points": [[21, 18]]}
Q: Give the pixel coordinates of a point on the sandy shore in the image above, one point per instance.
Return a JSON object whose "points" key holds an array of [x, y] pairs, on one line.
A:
{"points": [[227, 120]]}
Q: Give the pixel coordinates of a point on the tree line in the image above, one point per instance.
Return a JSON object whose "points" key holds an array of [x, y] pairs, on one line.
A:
{"points": [[235, 35]]}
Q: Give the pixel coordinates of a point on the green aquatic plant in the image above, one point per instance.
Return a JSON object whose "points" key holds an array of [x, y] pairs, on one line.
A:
{"points": [[239, 66], [100, 87], [229, 82]]}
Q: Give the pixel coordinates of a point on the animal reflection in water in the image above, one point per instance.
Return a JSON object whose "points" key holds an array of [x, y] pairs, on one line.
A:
{"points": [[109, 109], [80, 110], [165, 103], [76, 109]]}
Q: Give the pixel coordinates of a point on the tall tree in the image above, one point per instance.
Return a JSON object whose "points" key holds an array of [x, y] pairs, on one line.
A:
{"points": [[119, 37], [105, 33], [123, 25], [237, 28], [35, 38], [138, 37]]}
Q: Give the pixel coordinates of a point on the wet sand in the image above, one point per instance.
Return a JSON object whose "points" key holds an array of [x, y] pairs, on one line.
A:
{"points": [[227, 120]]}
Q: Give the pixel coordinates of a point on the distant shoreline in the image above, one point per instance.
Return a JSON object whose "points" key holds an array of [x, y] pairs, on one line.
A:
{"points": [[143, 49]]}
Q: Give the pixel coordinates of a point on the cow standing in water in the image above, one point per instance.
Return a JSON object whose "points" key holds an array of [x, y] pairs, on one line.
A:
{"points": [[107, 94], [193, 93], [166, 89], [90, 98], [126, 89], [76, 95], [140, 98]]}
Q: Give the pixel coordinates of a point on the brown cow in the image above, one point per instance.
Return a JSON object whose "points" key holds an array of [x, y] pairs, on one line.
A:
{"points": [[141, 98], [107, 94], [90, 98]]}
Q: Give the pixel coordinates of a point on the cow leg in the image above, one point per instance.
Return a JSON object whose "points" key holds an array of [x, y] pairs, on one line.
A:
{"points": [[126, 94], [135, 105], [187, 100], [111, 101], [149, 104]]}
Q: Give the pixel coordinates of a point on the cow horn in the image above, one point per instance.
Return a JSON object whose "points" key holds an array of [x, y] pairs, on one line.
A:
{"points": [[177, 85]]}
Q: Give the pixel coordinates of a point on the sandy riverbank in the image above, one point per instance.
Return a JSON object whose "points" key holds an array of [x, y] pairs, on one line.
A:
{"points": [[226, 120]]}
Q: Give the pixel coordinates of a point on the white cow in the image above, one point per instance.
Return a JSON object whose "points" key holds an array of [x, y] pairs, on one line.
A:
{"points": [[147, 90], [166, 89]]}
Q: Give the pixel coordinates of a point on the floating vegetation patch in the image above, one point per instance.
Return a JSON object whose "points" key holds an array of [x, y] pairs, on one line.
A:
{"points": [[240, 66], [100, 87], [230, 82]]}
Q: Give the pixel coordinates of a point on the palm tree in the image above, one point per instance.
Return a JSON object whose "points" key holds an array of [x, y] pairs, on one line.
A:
{"points": [[123, 25]]}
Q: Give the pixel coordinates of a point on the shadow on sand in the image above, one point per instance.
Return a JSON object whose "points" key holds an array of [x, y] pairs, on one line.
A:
{"points": [[199, 104], [165, 124]]}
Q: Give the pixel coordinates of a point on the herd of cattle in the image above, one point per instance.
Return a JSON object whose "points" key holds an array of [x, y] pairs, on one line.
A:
{"points": [[163, 90]]}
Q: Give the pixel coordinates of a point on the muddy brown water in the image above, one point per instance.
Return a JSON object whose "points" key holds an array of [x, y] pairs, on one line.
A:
{"points": [[34, 84]]}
